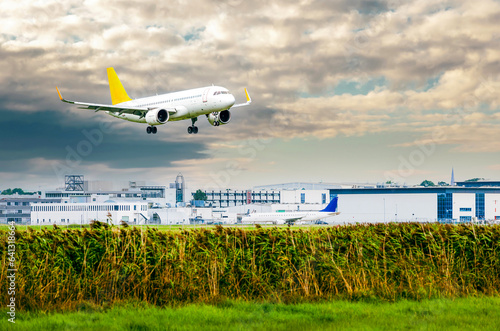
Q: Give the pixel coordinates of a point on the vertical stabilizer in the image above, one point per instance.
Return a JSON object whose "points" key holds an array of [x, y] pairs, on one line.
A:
{"points": [[118, 93], [332, 206]]}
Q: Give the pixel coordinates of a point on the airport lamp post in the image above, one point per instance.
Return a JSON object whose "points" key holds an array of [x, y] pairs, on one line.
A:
{"points": [[384, 210]]}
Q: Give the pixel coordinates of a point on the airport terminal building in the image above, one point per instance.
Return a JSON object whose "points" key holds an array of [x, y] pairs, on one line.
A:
{"points": [[83, 213], [140, 204], [421, 204], [374, 202], [17, 208]]}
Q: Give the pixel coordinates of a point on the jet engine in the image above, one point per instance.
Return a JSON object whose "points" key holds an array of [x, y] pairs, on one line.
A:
{"points": [[157, 116], [219, 118]]}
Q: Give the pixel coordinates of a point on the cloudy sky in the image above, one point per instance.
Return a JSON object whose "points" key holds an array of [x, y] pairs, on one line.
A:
{"points": [[343, 91]]}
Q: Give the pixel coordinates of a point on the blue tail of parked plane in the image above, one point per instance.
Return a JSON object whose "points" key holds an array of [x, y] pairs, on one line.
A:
{"points": [[332, 206]]}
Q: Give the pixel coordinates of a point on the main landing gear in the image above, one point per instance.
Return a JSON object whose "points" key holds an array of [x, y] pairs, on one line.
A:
{"points": [[192, 128], [151, 129]]}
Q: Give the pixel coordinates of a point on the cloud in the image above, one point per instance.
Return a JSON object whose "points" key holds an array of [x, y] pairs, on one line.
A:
{"points": [[429, 59], [56, 137]]}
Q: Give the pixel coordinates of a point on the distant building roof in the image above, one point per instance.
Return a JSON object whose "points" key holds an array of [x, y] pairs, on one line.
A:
{"points": [[480, 183], [417, 190], [297, 186]]}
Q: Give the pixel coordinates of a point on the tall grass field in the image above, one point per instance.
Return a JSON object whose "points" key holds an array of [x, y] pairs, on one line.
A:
{"points": [[63, 269]]}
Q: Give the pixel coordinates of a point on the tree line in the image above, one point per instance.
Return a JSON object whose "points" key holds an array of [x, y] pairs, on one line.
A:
{"points": [[17, 191]]}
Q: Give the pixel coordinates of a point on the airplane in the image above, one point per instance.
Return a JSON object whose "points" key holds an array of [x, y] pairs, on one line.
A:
{"points": [[212, 101], [291, 217]]}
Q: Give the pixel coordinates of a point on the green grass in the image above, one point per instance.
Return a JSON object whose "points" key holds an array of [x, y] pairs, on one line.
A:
{"points": [[438, 314]]}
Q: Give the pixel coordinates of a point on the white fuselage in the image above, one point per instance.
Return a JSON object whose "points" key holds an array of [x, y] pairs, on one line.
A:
{"points": [[282, 218], [187, 104]]}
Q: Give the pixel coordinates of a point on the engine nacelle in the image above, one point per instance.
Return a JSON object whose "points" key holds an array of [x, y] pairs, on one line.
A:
{"points": [[157, 116], [219, 118]]}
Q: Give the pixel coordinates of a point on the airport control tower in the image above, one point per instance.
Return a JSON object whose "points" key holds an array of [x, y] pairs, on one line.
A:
{"points": [[179, 188]]}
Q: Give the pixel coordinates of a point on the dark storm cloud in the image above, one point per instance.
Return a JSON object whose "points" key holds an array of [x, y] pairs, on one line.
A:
{"points": [[56, 136]]}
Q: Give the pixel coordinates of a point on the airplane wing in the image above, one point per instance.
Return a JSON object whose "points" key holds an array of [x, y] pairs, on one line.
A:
{"points": [[249, 101], [115, 109]]}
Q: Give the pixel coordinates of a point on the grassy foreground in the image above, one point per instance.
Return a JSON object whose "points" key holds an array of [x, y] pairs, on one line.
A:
{"points": [[60, 269], [438, 314]]}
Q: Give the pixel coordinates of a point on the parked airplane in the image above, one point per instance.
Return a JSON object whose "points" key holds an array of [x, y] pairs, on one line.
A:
{"points": [[212, 101], [290, 217]]}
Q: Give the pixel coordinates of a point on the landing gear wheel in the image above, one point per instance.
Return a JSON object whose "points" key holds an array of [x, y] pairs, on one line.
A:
{"points": [[148, 130], [192, 128], [154, 129]]}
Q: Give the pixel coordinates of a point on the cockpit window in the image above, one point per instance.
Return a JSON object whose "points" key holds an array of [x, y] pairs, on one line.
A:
{"points": [[221, 92]]}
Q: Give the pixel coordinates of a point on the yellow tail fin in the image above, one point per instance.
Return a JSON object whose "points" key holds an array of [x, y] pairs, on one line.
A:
{"points": [[118, 93]]}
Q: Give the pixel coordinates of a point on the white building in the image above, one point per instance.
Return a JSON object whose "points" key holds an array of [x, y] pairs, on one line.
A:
{"points": [[182, 215], [385, 207], [84, 213], [388, 204], [426, 204], [300, 197], [16, 208]]}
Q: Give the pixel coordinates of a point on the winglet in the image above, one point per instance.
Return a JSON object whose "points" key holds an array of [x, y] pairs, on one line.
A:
{"points": [[249, 101], [60, 96], [248, 96]]}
